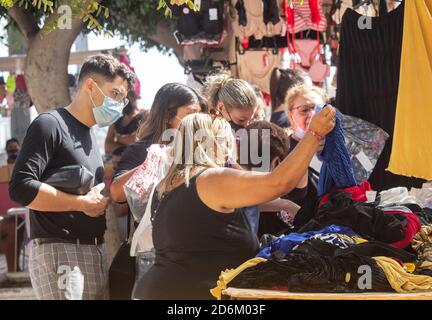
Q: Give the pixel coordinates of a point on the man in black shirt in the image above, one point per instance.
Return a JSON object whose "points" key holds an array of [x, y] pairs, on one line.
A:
{"points": [[68, 257]]}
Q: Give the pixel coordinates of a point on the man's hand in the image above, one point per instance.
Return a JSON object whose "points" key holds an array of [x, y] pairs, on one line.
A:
{"points": [[94, 203]]}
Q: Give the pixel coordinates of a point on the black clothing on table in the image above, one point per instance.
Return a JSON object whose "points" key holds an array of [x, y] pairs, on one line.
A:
{"points": [[299, 272], [364, 219]]}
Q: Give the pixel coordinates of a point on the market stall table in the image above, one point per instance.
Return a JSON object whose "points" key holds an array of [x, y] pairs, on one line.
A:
{"points": [[255, 294]]}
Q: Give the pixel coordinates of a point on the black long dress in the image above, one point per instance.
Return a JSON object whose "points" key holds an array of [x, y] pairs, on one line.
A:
{"points": [[368, 81]]}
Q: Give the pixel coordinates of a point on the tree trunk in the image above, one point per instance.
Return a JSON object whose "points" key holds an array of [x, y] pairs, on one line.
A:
{"points": [[46, 67]]}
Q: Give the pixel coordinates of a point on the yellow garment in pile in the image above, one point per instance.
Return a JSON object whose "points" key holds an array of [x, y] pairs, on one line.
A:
{"points": [[412, 142], [402, 281], [359, 240], [228, 275], [422, 244]]}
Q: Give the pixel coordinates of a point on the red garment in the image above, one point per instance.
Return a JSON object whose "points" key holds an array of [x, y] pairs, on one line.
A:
{"points": [[412, 227], [276, 288], [358, 193], [315, 11], [20, 82], [308, 15], [267, 98], [125, 60]]}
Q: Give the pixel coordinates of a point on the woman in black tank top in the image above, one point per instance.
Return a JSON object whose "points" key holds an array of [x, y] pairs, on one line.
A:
{"points": [[197, 230], [193, 245]]}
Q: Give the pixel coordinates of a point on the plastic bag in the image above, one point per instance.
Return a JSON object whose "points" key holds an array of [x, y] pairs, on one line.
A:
{"points": [[365, 143], [140, 185], [142, 240]]}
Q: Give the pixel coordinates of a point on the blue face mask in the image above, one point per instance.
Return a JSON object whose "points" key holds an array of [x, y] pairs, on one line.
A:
{"points": [[109, 112]]}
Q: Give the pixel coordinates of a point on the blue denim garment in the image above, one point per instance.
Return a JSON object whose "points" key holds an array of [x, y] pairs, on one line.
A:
{"points": [[285, 244]]}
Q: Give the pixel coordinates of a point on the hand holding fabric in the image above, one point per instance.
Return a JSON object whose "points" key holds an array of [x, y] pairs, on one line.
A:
{"points": [[324, 121]]}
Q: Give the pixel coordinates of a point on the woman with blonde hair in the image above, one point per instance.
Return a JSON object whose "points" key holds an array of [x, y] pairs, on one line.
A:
{"points": [[198, 230], [300, 103], [234, 99]]}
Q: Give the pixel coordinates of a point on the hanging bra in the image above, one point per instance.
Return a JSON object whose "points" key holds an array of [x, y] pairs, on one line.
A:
{"points": [[308, 15], [258, 19]]}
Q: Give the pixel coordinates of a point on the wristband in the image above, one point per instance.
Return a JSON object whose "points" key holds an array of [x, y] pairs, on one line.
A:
{"points": [[315, 134]]}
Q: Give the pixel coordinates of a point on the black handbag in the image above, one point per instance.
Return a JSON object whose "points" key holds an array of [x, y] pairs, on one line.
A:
{"points": [[122, 270], [75, 179]]}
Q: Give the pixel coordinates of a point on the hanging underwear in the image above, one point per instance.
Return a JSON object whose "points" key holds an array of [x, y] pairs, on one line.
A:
{"points": [[256, 67], [309, 50], [319, 71], [274, 23], [257, 18]]}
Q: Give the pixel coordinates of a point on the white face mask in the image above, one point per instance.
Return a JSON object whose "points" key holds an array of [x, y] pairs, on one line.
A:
{"points": [[299, 132], [107, 113]]}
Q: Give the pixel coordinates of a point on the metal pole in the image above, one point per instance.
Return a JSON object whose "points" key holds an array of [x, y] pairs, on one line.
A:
{"points": [[16, 243]]}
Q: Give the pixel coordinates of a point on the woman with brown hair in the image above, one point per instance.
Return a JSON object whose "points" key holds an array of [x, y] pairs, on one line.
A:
{"points": [[172, 102], [281, 81]]}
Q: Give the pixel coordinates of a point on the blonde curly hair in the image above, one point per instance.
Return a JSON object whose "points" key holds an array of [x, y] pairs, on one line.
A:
{"points": [[314, 93]]}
